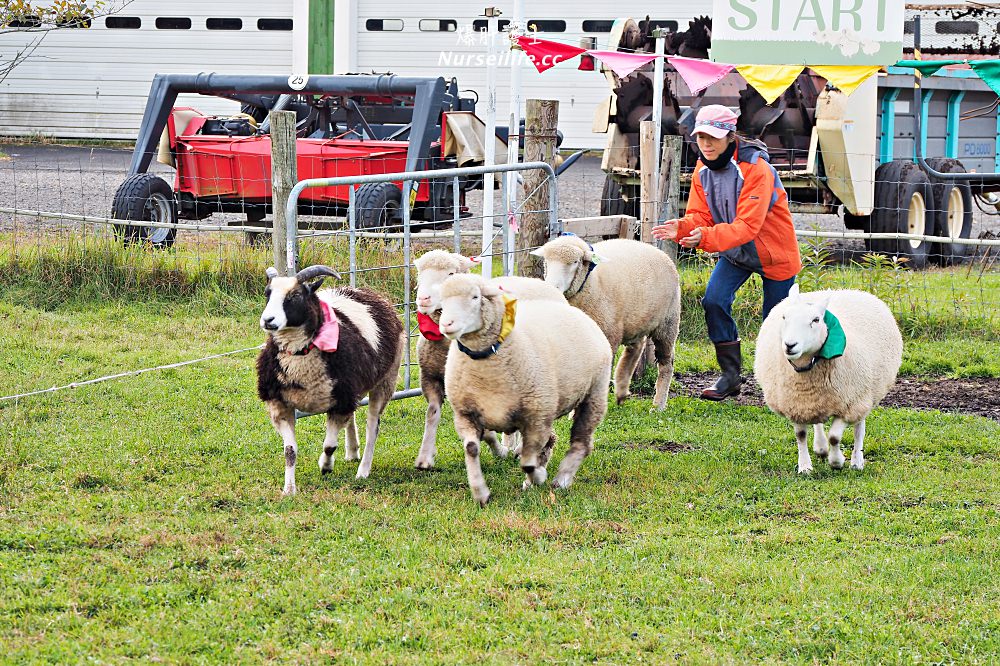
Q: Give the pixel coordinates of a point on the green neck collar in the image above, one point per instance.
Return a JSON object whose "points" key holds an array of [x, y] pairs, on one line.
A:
{"points": [[833, 347], [836, 339]]}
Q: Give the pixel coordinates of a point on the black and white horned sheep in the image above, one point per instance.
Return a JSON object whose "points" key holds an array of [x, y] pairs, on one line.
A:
{"points": [[294, 371]]}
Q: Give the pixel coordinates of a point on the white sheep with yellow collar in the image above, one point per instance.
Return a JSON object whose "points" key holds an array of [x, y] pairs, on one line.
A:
{"points": [[518, 366], [828, 354], [433, 268]]}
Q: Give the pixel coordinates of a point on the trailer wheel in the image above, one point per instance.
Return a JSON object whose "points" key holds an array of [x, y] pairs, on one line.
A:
{"points": [[903, 198], [951, 211], [376, 205], [144, 197], [255, 218], [856, 222], [613, 199]]}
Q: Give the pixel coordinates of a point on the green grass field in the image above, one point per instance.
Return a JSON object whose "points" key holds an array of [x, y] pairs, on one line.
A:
{"points": [[141, 519]]}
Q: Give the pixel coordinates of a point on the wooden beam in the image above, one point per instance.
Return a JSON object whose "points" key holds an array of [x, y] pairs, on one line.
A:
{"points": [[600, 227], [670, 186]]}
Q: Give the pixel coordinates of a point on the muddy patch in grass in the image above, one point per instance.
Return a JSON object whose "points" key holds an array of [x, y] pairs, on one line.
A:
{"points": [[661, 445], [978, 396]]}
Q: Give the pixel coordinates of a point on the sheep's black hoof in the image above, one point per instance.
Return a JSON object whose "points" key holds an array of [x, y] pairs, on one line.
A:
{"points": [[324, 472]]}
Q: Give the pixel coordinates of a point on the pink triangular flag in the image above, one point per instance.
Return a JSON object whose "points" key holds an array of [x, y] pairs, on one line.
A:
{"points": [[699, 74], [544, 54], [623, 64]]}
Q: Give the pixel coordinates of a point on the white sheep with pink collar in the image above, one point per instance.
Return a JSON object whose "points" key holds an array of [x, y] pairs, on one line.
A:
{"points": [[828, 354]]}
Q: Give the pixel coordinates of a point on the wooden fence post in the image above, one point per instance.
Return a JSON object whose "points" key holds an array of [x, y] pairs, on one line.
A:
{"points": [[539, 146], [648, 195], [670, 187], [651, 193], [283, 179]]}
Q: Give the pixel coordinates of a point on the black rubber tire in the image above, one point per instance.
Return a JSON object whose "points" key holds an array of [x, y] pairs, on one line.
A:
{"points": [[144, 197], [856, 222], [902, 193], [377, 206], [951, 211], [255, 218], [613, 199]]}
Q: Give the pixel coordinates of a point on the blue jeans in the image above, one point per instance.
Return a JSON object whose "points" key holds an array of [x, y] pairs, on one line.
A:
{"points": [[726, 279]]}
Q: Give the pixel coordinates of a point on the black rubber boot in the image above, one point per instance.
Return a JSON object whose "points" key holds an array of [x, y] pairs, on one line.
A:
{"points": [[731, 361]]}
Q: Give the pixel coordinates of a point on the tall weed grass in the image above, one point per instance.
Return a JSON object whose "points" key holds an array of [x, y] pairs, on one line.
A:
{"points": [[931, 305], [47, 275]]}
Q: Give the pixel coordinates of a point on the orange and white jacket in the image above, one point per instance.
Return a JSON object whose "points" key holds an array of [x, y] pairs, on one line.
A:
{"points": [[743, 211]]}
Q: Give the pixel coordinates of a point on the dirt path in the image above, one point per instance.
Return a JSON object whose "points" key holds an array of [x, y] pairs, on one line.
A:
{"points": [[977, 396]]}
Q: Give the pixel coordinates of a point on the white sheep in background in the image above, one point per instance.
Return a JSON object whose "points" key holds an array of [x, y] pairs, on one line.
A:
{"points": [[433, 268], [520, 366], [325, 350], [805, 381], [631, 290]]}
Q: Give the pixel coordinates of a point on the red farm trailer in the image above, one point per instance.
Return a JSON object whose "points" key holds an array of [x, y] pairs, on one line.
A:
{"points": [[347, 125]]}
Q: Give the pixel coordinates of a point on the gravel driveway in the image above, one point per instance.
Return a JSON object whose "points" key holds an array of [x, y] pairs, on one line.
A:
{"points": [[82, 181]]}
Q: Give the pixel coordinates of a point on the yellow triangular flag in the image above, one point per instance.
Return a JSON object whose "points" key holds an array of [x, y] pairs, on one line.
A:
{"points": [[770, 80], [846, 77]]}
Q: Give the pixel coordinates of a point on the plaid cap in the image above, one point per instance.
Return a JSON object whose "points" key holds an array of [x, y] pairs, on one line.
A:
{"points": [[715, 120]]}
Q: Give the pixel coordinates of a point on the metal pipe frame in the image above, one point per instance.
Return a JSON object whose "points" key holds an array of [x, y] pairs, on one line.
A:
{"points": [[971, 178], [428, 94], [408, 179], [555, 226]]}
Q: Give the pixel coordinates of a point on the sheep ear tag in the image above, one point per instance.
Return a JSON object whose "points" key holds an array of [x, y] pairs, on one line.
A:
{"points": [[510, 310], [329, 332], [836, 339]]}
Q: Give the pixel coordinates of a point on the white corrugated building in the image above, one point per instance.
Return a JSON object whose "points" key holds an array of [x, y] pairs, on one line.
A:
{"points": [[92, 82]]}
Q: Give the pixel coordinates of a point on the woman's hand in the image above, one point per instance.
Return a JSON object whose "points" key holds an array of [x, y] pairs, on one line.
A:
{"points": [[694, 240], [666, 231]]}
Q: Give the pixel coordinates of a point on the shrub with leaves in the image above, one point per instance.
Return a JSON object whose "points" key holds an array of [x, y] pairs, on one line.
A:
{"points": [[816, 258], [39, 18]]}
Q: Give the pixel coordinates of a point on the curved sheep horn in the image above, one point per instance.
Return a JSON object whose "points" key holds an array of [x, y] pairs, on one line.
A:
{"points": [[271, 273], [311, 272]]}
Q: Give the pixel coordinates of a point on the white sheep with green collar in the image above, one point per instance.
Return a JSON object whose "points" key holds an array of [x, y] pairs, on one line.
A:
{"points": [[828, 354], [631, 290], [524, 365]]}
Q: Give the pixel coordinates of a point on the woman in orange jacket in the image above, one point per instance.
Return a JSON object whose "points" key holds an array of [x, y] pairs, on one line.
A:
{"points": [[738, 208]]}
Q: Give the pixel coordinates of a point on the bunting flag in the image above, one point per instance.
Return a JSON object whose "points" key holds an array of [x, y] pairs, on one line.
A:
{"points": [[622, 63], [988, 71], [699, 74], [846, 77], [770, 80], [545, 54], [927, 67]]}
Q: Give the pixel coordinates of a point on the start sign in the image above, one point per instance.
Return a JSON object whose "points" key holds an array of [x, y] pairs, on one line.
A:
{"points": [[807, 32]]}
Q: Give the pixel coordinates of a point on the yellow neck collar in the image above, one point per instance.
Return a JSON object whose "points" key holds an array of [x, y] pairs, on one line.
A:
{"points": [[510, 311]]}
